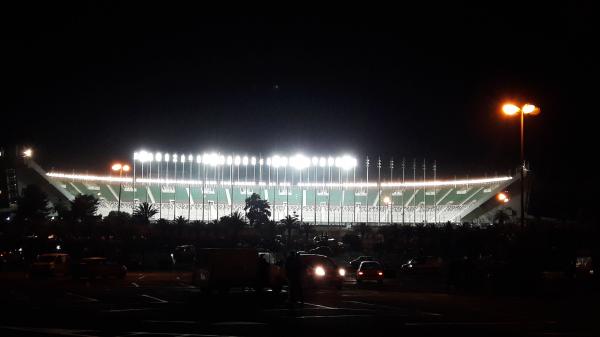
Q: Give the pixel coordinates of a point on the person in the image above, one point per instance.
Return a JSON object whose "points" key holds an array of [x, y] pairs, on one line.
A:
{"points": [[293, 269]]}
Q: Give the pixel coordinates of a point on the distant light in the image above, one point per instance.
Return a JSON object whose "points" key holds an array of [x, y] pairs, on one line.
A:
{"points": [[322, 161], [502, 197], [387, 200], [174, 157], [183, 158], [126, 168], [57, 247], [261, 162], [167, 157], [136, 156], [276, 161], [342, 272], [330, 161], [7, 218], [253, 161], [198, 159], [315, 161], [206, 158], [222, 160], [284, 161], [319, 271], [116, 167], [238, 160], [158, 157], [229, 160], [28, 153], [245, 160], [510, 109], [269, 161]]}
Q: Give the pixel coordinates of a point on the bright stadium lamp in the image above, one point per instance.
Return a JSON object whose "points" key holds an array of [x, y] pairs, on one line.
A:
{"points": [[253, 161], [158, 157], [269, 161], [284, 161], [315, 161], [174, 157], [387, 200], [330, 161], [136, 156], [167, 157], [245, 160], [183, 158], [238, 160], [338, 162], [190, 158], [276, 161], [116, 167], [126, 168], [198, 159], [206, 158], [322, 161], [229, 160], [221, 160]]}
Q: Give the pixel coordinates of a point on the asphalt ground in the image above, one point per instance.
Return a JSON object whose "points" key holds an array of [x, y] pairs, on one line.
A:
{"points": [[165, 304]]}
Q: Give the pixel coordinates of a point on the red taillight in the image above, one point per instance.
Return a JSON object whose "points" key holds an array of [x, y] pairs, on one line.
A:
{"points": [[360, 273], [380, 273]]}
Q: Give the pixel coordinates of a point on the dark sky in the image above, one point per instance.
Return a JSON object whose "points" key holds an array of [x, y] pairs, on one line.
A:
{"points": [[89, 83]]}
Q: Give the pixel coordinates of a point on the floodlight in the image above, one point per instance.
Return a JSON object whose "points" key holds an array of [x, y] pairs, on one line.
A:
{"points": [[315, 161], [322, 161], [330, 161], [126, 168], [116, 167], [253, 161], [158, 156], [237, 160], [245, 160], [198, 159], [167, 157], [510, 109], [229, 160]]}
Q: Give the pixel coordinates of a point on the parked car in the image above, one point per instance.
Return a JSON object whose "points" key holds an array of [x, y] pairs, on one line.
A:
{"points": [[321, 250], [96, 267], [51, 264], [321, 271], [369, 271], [356, 262]]}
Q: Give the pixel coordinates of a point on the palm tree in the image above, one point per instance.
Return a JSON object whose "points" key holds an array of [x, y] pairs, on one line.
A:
{"points": [[289, 223], [145, 211], [234, 223], [501, 217], [257, 210], [84, 207], [307, 228]]}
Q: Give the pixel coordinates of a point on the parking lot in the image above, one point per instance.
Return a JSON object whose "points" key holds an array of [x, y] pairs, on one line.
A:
{"points": [[164, 303]]}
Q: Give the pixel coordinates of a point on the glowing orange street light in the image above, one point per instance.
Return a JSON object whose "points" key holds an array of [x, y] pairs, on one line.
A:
{"points": [[510, 109], [502, 197], [120, 168]]}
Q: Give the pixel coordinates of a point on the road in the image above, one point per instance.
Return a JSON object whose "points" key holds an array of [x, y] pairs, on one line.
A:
{"points": [[165, 304]]}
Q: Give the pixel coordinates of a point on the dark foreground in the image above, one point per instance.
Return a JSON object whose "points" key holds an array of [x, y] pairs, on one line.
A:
{"points": [[164, 304]]}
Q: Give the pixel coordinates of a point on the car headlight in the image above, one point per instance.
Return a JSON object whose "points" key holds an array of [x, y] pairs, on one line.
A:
{"points": [[319, 271], [342, 272]]}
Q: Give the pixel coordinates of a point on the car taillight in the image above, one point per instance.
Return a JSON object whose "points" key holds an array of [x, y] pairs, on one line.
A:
{"points": [[360, 273], [380, 273]]}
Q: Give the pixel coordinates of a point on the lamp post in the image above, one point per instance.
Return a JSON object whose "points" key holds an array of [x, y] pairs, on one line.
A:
{"points": [[510, 109], [117, 167], [388, 201]]}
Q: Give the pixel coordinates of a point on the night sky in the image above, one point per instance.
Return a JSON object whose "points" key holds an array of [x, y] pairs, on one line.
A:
{"points": [[90, 83]]}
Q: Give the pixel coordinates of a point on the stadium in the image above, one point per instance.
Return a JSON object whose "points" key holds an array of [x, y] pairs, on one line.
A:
{"points": [[321, 190]]}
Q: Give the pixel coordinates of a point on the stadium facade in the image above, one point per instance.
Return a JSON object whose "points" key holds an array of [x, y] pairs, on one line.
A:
{"points": [[321, 190]]}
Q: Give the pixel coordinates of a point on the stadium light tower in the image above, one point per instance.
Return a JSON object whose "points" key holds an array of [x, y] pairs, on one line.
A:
{"points": [[117, 167], [510, 109]]}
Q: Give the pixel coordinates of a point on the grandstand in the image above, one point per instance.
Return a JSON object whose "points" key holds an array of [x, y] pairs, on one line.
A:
{"points": [[321, 190]]}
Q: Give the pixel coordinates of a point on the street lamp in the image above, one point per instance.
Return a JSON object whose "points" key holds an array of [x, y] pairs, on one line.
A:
{"points": [[120, 168], [510, 109]]}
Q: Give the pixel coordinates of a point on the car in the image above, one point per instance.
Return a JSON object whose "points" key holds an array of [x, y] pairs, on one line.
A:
{"points": [[51, 264], [356, 262], [95, 267], [321, 271], [369, 271], [321, 250]]}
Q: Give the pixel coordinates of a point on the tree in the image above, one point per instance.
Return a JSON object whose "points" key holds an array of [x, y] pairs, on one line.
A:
{"points": [[145, 212], [307, 229], [257, 210], [289, 223], [362, 229], [501, 217], [32, 205], [179, 222], [233, 224], [84, 207]]}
